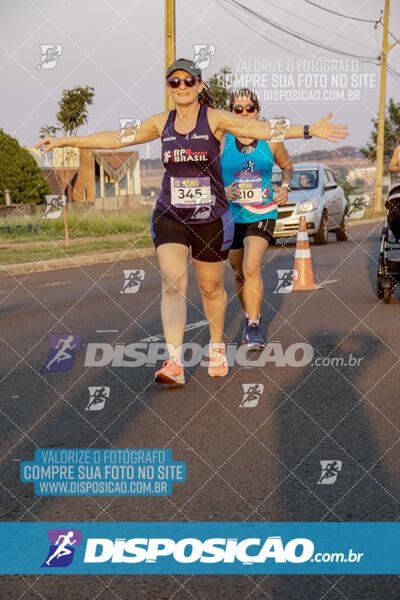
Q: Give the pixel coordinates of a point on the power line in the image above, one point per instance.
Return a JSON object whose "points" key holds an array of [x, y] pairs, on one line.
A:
{"points": [[341, 14], [298, 36], [268, 39], [395, 74], [317, 25], [376, 22]]}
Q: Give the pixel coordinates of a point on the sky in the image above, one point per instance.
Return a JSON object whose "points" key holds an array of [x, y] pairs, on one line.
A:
{"points": [[117, 46]]}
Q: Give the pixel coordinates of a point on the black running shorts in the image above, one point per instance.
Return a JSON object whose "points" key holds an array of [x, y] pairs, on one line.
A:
{"points": [[264, 228], [210, 242]]}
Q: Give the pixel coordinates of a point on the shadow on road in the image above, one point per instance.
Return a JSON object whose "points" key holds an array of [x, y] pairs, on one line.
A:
{"points": [[324, 417]]}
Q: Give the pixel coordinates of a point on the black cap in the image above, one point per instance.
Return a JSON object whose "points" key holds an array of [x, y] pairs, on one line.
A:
{"points": [[182, 64]]}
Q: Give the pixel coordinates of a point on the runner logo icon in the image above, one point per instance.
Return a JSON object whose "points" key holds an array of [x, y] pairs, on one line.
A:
{"points": [[286, 279], [249, 166], [50, 54], [202, 55], [54, 206], [329, 471], [98, 396], [128, 129], [357, 205], [62, 547], [62, 351], [251, 394], [133, 279]]}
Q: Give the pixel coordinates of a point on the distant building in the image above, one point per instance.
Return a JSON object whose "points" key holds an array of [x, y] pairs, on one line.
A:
{"points": [[108, 179], [367, 174]]}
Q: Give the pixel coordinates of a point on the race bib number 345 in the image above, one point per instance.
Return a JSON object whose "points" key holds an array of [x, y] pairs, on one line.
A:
{"points": [[190, 192]]}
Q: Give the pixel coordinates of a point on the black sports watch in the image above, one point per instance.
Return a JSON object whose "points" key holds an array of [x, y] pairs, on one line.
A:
{"points": [[307, 135]]}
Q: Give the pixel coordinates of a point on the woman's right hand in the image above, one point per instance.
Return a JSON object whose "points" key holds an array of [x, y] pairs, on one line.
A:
{"points": [[232, 193], [51, 142]]}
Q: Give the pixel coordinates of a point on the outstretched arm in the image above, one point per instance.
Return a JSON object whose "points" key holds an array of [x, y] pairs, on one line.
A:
{"points": [[149, 130], [394, 165], [223, 121]]}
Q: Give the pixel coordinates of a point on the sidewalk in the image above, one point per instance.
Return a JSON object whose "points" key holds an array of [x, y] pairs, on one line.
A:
{"points": [[94, 258], [74, 262]]}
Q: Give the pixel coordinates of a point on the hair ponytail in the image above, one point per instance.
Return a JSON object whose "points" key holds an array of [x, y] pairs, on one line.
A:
{"points": [[205, 98]]}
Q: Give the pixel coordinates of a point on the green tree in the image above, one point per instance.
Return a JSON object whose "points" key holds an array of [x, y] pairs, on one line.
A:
{"points": [[219, 86], [72, 112], [348, 188], [391, 134], [48, 131], [20, 173]]}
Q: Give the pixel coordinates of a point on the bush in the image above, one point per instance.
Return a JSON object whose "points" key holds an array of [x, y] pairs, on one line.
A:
{"points": [[20, 173]]}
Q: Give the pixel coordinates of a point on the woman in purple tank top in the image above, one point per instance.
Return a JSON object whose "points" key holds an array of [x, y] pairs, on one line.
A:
{"points": [[192, 211]]}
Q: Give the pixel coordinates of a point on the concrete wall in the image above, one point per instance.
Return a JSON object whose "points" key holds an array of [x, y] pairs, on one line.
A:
{"points": [[119, 203], [16, 210]]}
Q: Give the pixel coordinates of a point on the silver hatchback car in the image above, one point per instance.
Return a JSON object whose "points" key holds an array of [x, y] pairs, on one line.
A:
{"points": [[315, 194]]}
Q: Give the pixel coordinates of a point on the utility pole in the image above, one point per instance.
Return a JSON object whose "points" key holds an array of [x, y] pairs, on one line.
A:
{"points": [[381, 115], [169, 44]]}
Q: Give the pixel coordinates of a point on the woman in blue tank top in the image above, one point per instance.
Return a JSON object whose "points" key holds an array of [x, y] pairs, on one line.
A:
{"points": [[247, 168], [192, 211]]}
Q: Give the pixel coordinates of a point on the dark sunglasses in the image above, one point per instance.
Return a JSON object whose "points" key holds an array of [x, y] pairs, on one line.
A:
{"points": [[175, 82], [250, 108]]}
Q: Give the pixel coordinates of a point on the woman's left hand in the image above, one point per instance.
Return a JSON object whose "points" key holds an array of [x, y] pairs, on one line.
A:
{"points": [[328, 131], [281, 195]]}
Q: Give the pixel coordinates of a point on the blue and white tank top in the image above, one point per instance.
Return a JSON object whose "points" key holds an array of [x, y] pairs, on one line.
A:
{"points": [[252, 172]]}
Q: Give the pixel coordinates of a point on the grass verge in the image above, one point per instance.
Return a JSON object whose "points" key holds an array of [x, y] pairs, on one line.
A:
{"points": [[80, 223], [39, 253]]}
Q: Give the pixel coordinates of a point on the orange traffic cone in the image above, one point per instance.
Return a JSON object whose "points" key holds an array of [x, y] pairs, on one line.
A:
{"points": [[302, 260]]}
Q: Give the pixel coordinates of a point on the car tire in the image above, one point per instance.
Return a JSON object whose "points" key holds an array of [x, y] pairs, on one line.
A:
{"points": [[342, 232], [272, 242], [321, 237]]}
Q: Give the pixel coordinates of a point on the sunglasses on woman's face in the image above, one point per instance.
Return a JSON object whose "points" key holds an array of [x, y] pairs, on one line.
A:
{"points": [[250, 108], [175, 82]]}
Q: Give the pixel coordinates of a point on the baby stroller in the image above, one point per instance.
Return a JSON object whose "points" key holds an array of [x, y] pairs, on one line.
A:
{"points": [[389, 270]]}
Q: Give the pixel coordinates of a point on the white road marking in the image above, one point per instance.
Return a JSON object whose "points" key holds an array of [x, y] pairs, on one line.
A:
{"points": [[160, 336], [106, 330], [54, 283], [326, 281]]}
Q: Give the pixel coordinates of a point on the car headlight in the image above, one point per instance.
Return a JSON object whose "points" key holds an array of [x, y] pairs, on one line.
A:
{"points": [[306, 206]]}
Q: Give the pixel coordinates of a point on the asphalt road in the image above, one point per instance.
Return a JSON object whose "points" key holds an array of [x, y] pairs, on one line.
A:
{"points": [[259, 463]]}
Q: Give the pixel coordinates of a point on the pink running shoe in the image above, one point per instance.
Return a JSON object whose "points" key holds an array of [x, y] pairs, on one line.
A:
{"points": [[218, 365], [171, 372]]}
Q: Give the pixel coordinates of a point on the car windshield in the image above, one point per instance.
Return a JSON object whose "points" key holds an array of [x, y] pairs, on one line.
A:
{"points": [[301, 180]]}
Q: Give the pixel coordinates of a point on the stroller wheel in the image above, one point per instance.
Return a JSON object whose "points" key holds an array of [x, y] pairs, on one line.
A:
{"points": [[379, 289], [387, 296]]}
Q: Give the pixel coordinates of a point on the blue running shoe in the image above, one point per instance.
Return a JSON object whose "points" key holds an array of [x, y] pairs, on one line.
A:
{"points": [[252, 337]]}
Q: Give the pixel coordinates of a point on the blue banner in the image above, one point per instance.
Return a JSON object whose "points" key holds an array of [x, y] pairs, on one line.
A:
{"points": [[103, 472], [200, 548]]}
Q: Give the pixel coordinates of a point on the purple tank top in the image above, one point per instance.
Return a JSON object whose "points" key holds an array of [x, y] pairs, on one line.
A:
{"points": [[192, 187]]}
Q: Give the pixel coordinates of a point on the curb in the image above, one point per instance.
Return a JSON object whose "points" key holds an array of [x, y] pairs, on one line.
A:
{"points": [[94, 259], [74, 261], [353, 222]]}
